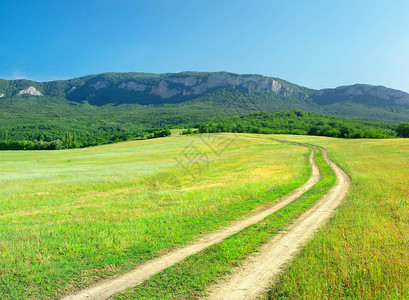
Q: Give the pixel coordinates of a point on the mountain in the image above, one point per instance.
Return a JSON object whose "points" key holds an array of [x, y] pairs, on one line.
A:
{"points": [[158, 89], [125, 103], [364, 94], [146, 89]]}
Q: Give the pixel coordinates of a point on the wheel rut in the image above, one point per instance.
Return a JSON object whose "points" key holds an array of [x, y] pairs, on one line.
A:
{"points": [[259, 272]]}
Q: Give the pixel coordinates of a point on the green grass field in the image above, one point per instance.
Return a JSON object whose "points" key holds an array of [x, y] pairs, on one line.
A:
{"points": [[69, 218], [363, 252], [191, 278]]}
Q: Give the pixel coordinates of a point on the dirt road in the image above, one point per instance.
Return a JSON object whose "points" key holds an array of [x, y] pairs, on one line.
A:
{"points": [[258, 272], [135, 277]]}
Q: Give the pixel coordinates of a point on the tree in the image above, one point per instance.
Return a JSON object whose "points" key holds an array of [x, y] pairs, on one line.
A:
{"points": [[313, 130], [403, 130], [345, 131], [162, 133]]}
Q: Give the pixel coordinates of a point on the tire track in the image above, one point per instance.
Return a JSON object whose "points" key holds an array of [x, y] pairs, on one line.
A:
{"points": [[259, 272]]}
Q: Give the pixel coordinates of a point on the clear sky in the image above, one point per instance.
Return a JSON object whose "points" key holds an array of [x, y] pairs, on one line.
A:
{"points": [[313, 43]]}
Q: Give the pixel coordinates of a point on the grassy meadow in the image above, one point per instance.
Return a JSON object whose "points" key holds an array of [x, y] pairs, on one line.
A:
{"points": [[191, 278], [69, 218], [363, 252]]}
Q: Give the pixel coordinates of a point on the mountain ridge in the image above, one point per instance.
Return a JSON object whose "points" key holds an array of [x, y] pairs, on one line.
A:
{"points": [[128, 87], [134, 85], [207, 92]]}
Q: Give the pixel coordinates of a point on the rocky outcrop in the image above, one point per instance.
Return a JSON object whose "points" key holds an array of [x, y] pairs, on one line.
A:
{"points": [[380, 92], [99, 85], [133, 86], [30, 91], [190, 85], [362, 93], [147, 89], [2, 95], [162, 90], [186, 81]]}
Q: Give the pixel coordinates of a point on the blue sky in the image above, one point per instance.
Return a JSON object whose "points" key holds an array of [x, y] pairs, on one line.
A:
{"points": [[313, 43]]}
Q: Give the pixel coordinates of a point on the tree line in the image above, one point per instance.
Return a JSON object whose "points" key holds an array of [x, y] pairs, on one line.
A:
{"points": [[70, 140], [301, 123]]}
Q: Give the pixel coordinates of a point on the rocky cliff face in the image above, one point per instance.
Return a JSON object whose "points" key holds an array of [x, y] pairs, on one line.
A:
{"points": [[380, 92], [180, 85], [30, 91], [100, 85], [133, 86], [362, 93]]}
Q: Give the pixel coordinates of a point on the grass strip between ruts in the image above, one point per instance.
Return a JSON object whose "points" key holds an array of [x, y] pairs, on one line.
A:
{"points": [[190, 278]]}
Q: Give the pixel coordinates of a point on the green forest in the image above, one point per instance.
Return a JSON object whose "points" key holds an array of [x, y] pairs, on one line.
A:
{"points": [[58, 127], [301, 123], [92, 132], [41, 139]]}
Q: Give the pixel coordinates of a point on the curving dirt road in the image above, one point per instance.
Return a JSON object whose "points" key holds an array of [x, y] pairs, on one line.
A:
{"points": [[258, 272], [144, 271]]}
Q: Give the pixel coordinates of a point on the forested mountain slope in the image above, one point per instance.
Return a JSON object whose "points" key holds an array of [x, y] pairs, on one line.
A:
{"points": [[127, 104]]}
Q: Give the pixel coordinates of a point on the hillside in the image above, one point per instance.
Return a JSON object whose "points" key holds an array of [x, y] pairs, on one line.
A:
{"points": [[112, 106], [146, 89]]}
